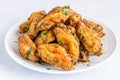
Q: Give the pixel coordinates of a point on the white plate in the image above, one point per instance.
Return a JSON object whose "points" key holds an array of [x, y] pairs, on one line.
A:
{"points": [[109, 44]]}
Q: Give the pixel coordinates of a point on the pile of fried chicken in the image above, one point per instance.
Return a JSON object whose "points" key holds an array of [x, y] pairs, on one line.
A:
{"points": [[60, 38]]}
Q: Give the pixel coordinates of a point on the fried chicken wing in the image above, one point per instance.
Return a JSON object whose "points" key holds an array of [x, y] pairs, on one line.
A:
{"points": [[96, 27], [32, 21], [90, 39], [67, 40], [74, 19], [27, 48], [55, 55], [37, 16], [45, 37], [57, 15], [84, 56]]}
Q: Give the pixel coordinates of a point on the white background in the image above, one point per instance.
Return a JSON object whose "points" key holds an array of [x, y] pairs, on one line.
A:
{"points": [[106, 11]]}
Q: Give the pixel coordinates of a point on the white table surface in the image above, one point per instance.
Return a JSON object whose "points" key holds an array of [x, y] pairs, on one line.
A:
{"points": [[106, 11]]}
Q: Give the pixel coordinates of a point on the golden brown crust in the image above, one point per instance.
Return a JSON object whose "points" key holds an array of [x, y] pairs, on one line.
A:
{"points": [[55, 55], [96, 27], [90, 39], [27, 48], [45, 37], [67, 40]]}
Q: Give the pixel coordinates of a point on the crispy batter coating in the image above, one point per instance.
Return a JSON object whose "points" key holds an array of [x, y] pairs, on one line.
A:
{"points": [[57, 15], [45, 37], [67, 40], [74, 20], [37, 16], [27, 48], [90, 39], [96, 27], [32, 22], [55, 55]]}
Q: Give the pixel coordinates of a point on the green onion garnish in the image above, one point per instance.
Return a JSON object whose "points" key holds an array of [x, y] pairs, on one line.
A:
{"points": [[26, 28], [67, 7], [64, 11], [28, 52], [59, 42], [79, 43], [48, 68]]}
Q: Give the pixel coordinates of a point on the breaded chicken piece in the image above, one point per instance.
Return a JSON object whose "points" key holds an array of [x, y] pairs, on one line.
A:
{"points": [[84, 56], [55, 55], [32, 21], [32, 29], [74, 19], [90, 39], [67, 40], [27, 48], [96, 27], [57, 15], [45, 37]]}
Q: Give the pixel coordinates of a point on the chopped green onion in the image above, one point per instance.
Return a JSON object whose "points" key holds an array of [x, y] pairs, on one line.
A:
{"points": [[28, 52], [67, 6], [26, 28], [88, 64], [44, 33], [79, 43], [44, 37], [40, 61], [64, 11], [59, 42], [88, 60], [48, 68]]}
